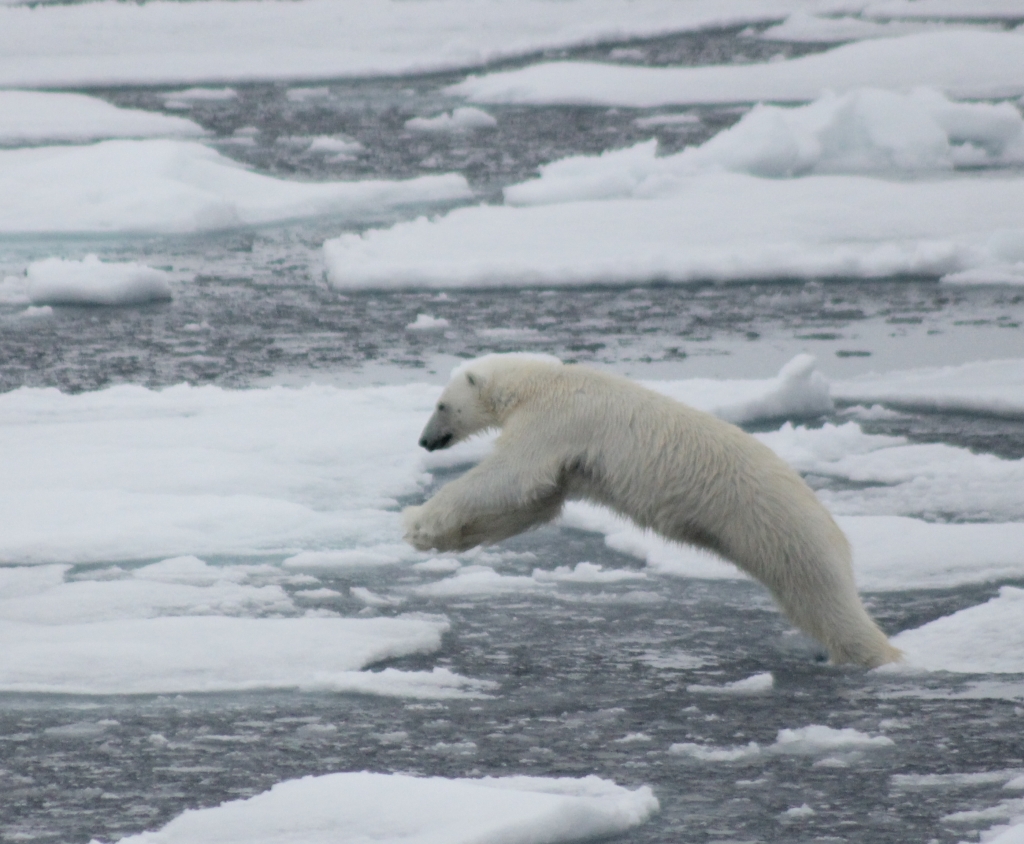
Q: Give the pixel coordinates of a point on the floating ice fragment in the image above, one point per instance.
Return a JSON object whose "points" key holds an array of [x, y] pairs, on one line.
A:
{"points": [[34, 116], [462, 119], [216, 653], [756, 684], [812, 740], [988, 67], [396, 808], [797, 812], [985, 639], [426, 322], [178, 186], [94, 282]]}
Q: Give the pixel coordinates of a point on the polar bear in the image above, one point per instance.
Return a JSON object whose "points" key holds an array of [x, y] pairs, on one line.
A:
{"points": [[569, 432]]}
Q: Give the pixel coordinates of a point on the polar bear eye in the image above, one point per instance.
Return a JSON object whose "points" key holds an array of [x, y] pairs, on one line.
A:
{"points": [[442, 407]]}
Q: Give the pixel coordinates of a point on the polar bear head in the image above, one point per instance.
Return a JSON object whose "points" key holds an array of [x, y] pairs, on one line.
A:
{"points": [[470, 404]]}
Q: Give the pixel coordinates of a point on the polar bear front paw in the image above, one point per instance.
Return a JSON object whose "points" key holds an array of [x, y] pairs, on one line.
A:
{"points": [[426, 529], [417, 530]]}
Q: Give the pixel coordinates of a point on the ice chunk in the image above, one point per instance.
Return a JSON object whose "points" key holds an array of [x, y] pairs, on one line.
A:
{"points": [[864, 130], [208, 653], [712, 226], [401, 809], [33, 116], [992, 387], [756, 684], [462, 119], [94, 282], [798, 390], [989, 67], [813, 740], [177, 186], [986, 639], [110, 44], [426, 322]]}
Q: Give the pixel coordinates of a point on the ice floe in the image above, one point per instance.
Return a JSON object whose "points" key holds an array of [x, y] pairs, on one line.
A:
{"points": [[865, 130], [991, 387], [175, 654], [711, 226], [35, 116], [823, 29], [109, 43], [347, 807], [55, 281], [813, 740], [177, 186], [135, 475], [985, 639], [463, 119], [987, 67]]}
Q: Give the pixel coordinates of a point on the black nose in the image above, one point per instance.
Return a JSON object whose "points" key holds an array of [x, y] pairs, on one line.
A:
{"points": [[434, 445]]}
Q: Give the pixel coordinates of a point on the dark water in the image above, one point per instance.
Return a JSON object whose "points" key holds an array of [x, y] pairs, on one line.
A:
{"points": [[577, 672]]}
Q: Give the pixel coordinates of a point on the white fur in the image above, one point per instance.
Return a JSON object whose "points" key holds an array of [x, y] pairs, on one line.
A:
{"points": [[568, 432]]}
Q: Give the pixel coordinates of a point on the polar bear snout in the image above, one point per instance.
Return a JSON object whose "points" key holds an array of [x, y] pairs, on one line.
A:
{"points": [[436, 443], [438, 433]]}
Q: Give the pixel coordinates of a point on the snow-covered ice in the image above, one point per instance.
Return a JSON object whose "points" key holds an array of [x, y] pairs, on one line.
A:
{"points": [[991, 387], [207, 653], [35, 116], [987, 66], [823, 29], [464, 119], [128, 473], [202, 539], [94, 282], [708, 227], [813, 740], [711, 212], [346, 808], [867, 130], [178, 186], [109, 43], [986, 639]]}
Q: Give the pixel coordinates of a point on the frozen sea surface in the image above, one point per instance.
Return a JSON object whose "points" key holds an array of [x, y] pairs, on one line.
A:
{"points": [[563, 653]]}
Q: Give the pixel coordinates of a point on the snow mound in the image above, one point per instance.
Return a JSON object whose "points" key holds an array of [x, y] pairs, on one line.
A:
{"points": [[988, 67], [32, 116], [866, 130], [94, 282], [798, 390], [177, 186], [463, 119], [347, 808], [986, 639], [178, 654]]}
